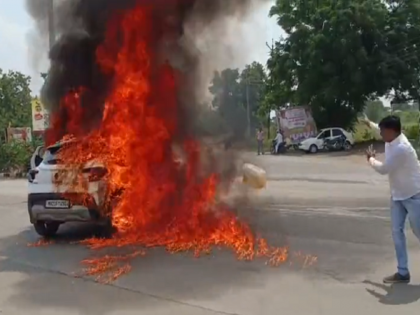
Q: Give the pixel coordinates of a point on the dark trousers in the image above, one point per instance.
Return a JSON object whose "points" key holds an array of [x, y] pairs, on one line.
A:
{"points": [[260, 147]]}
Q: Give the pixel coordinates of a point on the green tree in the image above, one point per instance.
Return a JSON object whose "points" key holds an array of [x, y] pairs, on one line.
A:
{"points": [[235, 92], [209, 122], [332, 57], [404, 106], [253, 80], [228, 101], [15, 100], [252, 83], [375, 110], [279, 86], [403, 55]]}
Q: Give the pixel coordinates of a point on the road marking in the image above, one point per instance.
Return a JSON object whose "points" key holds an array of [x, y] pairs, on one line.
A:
{"points": [[358, 212], [335, 213], [282, 205]]}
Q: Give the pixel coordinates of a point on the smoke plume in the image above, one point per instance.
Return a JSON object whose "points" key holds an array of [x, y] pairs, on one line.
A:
{"points": [[126, 80], [176, 31], [178, 27]]}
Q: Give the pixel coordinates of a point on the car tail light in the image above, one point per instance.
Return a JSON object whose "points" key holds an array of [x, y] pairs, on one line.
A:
{"points": [[31, 175], [95, 173]]}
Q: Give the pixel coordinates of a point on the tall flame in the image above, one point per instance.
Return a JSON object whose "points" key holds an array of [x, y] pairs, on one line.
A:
{"points": [[164, 199]]}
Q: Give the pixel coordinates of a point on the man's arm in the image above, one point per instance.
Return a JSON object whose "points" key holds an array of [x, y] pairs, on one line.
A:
{"points": [[393, 158]]}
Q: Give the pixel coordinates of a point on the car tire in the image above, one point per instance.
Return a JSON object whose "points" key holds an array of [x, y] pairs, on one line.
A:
{"points": [[108, 229], [46, 229], [347, 146], [313, 149]]}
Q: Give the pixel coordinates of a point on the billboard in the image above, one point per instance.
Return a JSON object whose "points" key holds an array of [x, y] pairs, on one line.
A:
{"points": [[23, 134], [296, 123], [40, 116]]}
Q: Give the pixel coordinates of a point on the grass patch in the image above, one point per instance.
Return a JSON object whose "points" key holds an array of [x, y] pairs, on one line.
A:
{"points": [[363, 133]]}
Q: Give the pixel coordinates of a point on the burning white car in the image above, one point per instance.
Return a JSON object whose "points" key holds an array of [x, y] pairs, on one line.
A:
{"points": [[52, 201]]}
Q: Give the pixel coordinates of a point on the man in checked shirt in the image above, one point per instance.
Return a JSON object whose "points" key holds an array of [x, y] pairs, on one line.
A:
{"points": [[402, 167]]}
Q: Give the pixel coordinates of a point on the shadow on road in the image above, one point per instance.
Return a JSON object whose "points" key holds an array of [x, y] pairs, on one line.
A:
{"points": [[50, 275], [395, 294], [359, 149], [49, 272], [49, 290]]}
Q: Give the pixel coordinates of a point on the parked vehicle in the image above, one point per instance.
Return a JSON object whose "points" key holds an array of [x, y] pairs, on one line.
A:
{"points": [[47, 206], [280, 150], [335, 144], [314, 144]]}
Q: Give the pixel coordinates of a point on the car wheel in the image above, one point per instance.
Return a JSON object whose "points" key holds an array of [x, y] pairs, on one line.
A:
{"points": [[108, 229], [347, 146], [46, 229], [313, 149]]}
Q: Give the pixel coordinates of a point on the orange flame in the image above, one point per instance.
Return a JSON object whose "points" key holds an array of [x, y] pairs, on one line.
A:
{"points": [[163, 202]]}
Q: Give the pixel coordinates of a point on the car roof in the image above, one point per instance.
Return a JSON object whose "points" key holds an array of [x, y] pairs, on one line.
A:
{"points": [[60, 143]]}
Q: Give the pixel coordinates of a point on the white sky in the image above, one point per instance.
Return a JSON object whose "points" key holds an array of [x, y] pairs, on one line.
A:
{"points": [[15, 25], [15, 52]]}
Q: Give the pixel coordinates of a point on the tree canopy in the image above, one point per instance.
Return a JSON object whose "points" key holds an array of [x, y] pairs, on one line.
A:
{"points": [[15, 100], [233, 91], [339, 54], [336, 56], [252, 82]]}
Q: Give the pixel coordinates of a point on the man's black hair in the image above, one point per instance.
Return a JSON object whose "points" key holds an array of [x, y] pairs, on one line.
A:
{"points": [[391, 122]]}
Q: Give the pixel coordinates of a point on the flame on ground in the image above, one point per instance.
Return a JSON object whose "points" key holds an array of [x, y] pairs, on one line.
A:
{"points": [[161, 201]]}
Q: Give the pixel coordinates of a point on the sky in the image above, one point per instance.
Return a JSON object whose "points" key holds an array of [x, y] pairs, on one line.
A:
{"points": [[16, 24]]}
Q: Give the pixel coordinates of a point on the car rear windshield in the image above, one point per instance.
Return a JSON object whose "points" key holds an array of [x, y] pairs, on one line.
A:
{"points": [[50, 155]]}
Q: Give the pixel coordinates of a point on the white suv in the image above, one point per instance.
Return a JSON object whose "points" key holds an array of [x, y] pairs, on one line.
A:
{"points": [[313, 145], [52, 202]]}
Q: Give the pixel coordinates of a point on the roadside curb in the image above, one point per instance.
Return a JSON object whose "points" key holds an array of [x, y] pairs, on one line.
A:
{"points": [[12, 175]]}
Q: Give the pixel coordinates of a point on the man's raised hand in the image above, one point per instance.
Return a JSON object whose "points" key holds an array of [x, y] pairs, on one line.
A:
{"points": [[370, 152]]}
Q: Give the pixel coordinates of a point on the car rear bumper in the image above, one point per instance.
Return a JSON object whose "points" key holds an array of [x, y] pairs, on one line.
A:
{"points": [[86, 211]]}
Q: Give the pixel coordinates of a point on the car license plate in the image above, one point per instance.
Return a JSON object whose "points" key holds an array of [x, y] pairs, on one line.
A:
{"points": [[61, 204]]}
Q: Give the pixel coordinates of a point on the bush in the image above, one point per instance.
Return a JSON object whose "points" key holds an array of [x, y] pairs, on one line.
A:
{"points": [[15, 156], [37, 141], [408, 117], [412, 132], [362, 133]]}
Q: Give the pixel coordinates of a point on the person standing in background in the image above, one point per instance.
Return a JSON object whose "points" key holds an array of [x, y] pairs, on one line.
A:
{"points": [[279, 141], [260, 141], [402, 167]]}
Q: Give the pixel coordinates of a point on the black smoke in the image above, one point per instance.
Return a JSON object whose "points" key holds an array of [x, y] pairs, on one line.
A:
{"points": [[81, 25]]}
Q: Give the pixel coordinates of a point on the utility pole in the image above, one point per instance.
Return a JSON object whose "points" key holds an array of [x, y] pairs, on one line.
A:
{"points": [[248, 107], [51, 26], [269, 113], [249, 82], [248, 110]]}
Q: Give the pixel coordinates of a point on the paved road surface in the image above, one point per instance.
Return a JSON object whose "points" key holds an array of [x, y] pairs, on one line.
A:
{"points": [[334, 208]]}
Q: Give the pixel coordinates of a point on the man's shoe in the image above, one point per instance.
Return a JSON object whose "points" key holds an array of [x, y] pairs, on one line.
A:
{"points": [[397, 278]]}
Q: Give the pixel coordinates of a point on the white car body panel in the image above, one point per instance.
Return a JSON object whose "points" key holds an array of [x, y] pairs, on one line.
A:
{"points": [[43, 183], [42, 186], [306, 144], [39, 151]]}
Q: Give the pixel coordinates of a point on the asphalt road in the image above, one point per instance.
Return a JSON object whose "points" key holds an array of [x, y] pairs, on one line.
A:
{"points": [[335, 208]]}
